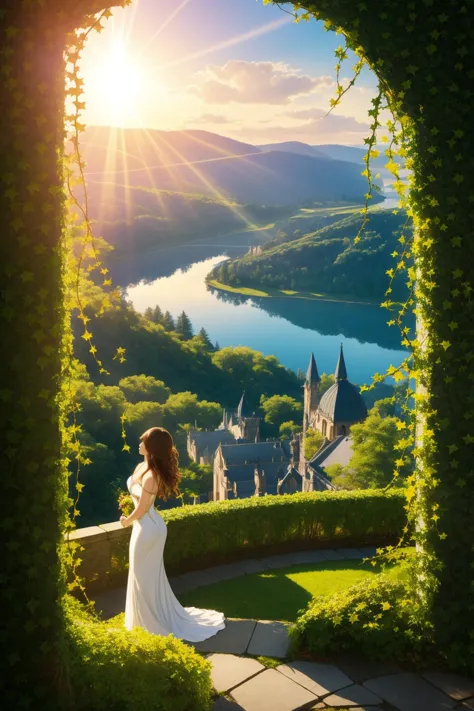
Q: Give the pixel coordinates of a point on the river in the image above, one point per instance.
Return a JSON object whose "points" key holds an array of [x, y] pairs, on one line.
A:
{"points": [[288, 328]]}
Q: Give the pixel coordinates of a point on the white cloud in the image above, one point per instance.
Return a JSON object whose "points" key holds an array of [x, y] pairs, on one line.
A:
{"points": [[331, 129], [255, 83], [211, 118]]}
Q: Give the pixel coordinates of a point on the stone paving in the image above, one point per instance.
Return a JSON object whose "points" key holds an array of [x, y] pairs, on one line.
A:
{"points": [[244, 683]]}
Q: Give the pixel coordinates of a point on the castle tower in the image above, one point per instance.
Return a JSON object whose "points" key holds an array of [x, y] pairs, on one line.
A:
{"points": [[341, 371], [311, 392], [245, 425]]}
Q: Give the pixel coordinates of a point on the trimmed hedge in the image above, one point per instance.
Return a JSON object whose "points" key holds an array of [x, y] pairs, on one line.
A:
{"points": [[112, 669], [219, 531]]}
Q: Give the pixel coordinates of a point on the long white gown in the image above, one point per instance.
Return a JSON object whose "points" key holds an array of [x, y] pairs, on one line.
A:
{"points": [[150, 601]]}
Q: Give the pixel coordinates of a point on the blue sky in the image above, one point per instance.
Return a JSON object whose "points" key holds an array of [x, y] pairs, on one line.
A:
{"points": [[232, 66]]}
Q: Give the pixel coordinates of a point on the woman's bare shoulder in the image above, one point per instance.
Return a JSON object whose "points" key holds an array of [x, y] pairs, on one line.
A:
{"points": [[149, 482]]}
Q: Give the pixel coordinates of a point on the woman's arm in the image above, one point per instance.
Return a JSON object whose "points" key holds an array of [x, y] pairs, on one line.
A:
{"points": [[147, 495]]}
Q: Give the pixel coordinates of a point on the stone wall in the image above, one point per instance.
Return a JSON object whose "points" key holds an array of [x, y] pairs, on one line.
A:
{"points": [[105, 554]]}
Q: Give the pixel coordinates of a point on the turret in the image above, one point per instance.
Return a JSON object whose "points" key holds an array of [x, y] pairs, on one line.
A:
{"points": [[311, 392], [341, 371]]}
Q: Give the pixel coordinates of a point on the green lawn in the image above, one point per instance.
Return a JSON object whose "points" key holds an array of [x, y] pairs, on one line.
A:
{"points": [[270, 292], [279, 594]]}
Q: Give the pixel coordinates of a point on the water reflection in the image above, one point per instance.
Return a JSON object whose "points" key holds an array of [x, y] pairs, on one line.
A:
{"points": [[365, 322], [287, 328]]}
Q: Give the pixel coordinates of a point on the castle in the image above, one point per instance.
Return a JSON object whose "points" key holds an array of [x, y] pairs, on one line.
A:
{"points": [[245, 466]]}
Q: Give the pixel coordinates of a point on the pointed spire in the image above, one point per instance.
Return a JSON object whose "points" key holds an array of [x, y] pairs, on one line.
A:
{"points": [[224, 420], [341, 372], [312, 375], [243, 408]]}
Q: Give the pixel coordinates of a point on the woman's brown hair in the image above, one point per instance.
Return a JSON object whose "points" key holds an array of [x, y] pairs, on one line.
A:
{"points": [[162, 459]]}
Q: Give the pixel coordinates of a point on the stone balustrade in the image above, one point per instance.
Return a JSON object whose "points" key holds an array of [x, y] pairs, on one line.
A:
{"points": [[105, 554]]}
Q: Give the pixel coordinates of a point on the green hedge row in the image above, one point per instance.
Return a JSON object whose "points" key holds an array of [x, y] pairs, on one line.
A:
{"points": [[220, 531], [112, 669]]}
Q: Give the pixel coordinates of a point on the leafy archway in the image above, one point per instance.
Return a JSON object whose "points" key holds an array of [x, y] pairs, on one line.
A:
{"points": [[423, 53]]}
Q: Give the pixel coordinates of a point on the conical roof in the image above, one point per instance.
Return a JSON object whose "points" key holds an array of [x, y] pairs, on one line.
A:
{"points": [[341, 371], [243, 408], [312, 375], [343, 401]]}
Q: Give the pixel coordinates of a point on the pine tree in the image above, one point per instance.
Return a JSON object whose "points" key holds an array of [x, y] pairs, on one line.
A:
{"points": [[184, 327], [204, 337], [157, 315], [217, 346], [168, 322]]}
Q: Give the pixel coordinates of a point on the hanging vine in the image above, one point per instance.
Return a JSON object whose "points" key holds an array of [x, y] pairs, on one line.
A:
{"points": [[83, 259]]}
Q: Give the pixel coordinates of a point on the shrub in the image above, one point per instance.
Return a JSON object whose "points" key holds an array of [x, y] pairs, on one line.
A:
{"points": [[219, 531], [119, 670], [373, 620]]}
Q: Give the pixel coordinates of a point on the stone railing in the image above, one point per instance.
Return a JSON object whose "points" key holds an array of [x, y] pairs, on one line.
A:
{"points": [[105, 554]]}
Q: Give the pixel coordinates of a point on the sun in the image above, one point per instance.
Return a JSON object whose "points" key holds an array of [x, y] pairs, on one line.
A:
{"points": [[120, 79]]}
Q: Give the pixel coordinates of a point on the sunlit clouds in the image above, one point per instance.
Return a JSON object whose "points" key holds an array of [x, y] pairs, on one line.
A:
{"points": [[166, 66], [255, 83]]}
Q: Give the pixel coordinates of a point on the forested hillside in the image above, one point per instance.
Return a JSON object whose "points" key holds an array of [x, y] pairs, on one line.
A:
{"points": [[326, 261]]}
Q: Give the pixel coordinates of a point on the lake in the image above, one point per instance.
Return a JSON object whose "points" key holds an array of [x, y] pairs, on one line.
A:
{"points": [[288, 328]]}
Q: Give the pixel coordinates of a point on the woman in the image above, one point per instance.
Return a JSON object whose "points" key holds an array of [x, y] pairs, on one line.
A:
{"points": [[150, 602]]}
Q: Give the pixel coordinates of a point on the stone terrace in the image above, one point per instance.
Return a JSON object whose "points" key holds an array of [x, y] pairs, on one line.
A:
{"points": [[243, 683]]}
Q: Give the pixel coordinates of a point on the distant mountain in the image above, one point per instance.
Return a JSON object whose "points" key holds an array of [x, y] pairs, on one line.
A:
{"points": [[326, 261], [202, 162], [109, 151], [356, 155], [302, 149]]}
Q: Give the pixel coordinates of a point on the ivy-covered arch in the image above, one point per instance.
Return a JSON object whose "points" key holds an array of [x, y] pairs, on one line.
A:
{"points": [[423, 53]]}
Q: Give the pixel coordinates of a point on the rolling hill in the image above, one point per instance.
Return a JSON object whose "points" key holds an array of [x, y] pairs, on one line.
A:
{"points": [[206, 163], [295, 147], [326, 261]]}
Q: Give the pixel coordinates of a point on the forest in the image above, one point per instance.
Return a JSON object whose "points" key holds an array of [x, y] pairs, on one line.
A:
{"points": [[329, 261]]}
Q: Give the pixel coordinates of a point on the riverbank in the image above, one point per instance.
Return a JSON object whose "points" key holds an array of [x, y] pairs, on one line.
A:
{"points": [[270, 293]]}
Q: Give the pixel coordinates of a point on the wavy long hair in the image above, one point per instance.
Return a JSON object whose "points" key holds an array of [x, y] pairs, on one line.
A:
{"points": [[162, 459]]}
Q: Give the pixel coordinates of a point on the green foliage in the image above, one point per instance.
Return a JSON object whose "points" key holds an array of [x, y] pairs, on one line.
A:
{"points": [[141, 416], [326, 261], [206, 534], [138, 388], [219, 375], [204, 337], [326, 380], [196, 479], [312, 442], [288, 429], [281, 408], [255, 373], [372, 619], [376, 449], [184, 327], [112, 669]]}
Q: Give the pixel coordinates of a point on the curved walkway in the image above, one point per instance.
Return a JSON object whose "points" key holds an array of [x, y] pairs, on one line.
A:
{"points": [[111, 602], [244, 683]]}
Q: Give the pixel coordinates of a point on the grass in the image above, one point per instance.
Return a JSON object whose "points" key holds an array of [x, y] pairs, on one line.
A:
{"points": [[280, 594], [270, 292]]}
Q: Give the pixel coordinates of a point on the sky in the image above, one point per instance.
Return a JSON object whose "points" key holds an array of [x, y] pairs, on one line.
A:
{"points": [[234, 67]]}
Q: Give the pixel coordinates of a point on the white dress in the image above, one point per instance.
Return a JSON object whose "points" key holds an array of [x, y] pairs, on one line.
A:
{"points": [[150, 601]]}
